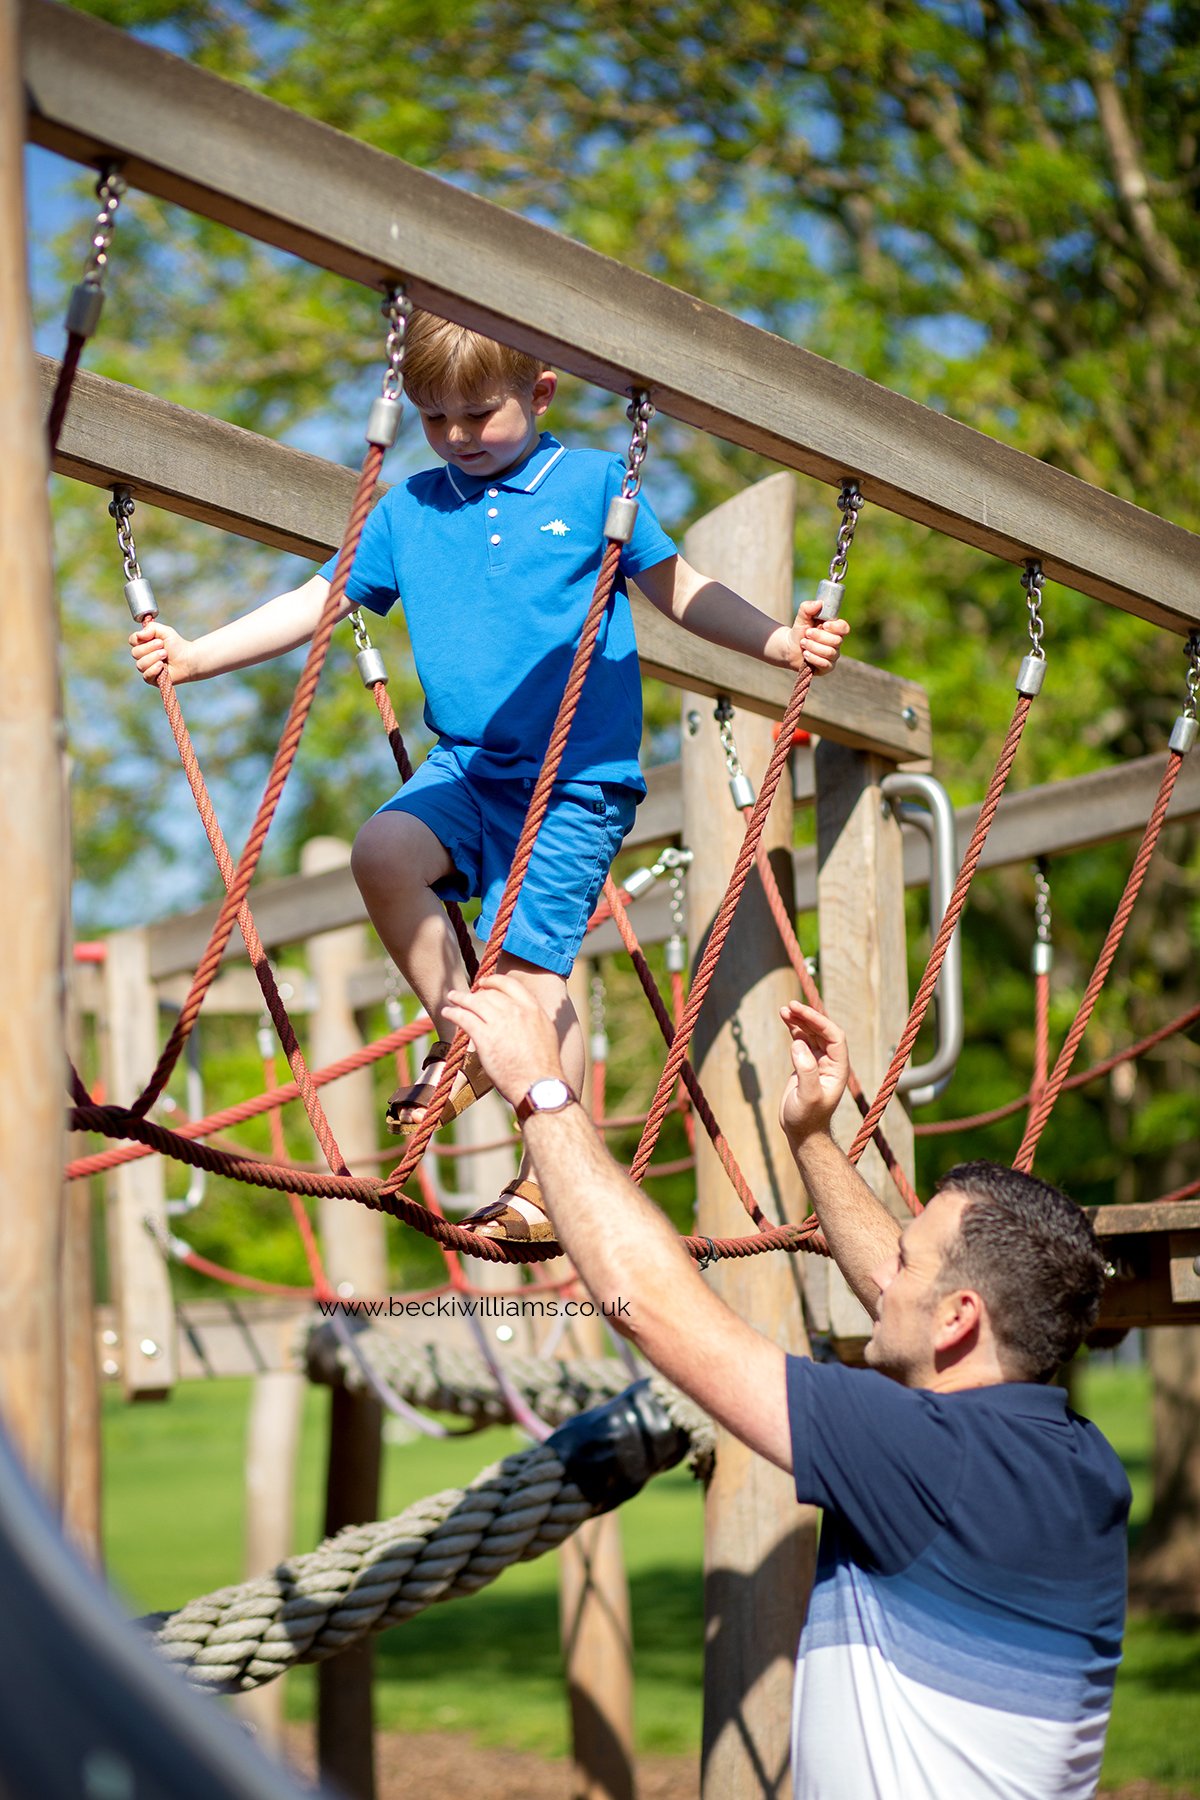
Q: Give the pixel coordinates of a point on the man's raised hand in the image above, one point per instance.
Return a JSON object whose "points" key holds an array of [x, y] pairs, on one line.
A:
{"points": [[820, 1067]]}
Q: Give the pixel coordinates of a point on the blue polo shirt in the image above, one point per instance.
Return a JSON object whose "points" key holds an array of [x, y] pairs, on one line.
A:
{"points": [[495, 574], [965, 1624]]}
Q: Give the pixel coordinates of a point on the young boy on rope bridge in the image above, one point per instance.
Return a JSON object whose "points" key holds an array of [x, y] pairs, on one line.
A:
{"points": [[494, 556]]}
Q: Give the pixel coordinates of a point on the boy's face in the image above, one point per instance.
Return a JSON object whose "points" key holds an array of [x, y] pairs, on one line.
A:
{"points": [[488, 435]]}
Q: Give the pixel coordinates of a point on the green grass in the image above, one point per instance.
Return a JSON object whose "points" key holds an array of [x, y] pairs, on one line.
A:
{"points": [[173, 1490]]}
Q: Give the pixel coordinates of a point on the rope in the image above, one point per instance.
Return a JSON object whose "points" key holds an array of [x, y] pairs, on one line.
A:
{"points": [[792, 949], [538, 804], [721, 925], [64, 382], [941, 942], [281, 767], [1044, 1104], [939, 1127]]}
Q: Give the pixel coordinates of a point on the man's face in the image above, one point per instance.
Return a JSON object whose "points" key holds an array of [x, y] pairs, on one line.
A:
{"points": [[902, 1342]]}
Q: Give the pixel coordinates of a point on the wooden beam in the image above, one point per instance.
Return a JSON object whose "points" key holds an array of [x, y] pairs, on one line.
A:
{"points": [[231, 154], [237, 481], [1076, 814]]}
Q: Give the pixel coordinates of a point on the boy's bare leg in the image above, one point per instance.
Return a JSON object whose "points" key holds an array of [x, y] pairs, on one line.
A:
{"points": [[396, 860]]}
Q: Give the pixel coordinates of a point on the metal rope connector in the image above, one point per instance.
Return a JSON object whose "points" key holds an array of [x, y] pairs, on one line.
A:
{"points": [[139, 595], [369, 661], [1032, 671], [383, 420], [741, 787], [643, 878], [623, 507], [1187, 729]]}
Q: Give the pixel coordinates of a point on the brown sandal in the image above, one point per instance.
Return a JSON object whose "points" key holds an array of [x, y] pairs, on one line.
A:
{"points": [[406, 1098], [502, 1221]]}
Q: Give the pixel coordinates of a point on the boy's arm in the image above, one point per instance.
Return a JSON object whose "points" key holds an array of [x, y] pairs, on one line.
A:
{"points": [[861, 1233], [281, 624], [715, 612]]}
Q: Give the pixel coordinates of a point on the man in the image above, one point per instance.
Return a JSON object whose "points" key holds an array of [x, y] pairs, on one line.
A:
{"points": [[965, 1625]]}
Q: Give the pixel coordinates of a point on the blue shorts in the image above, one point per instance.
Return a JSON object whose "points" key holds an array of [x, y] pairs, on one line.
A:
{"points": [[479, 821]]}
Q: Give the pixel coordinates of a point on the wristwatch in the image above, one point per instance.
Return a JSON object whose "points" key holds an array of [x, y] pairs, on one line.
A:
{"points": [[548, 1095]]}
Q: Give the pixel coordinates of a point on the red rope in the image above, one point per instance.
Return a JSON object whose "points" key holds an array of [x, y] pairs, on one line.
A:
{"points": [[941, 942], [281, 767], [940, 1127], [1044, 1103], [721, 925], [64, 382]]}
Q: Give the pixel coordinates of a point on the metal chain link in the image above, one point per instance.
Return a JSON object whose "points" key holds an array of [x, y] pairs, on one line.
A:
{"points": [[362, 637], [1041, 903], [850, 504], [723, 714], [1032, 579], [677, 898], [639, 412], [120, 508], [397, 310], [1192, 652], [109, 191], [597, 1023]]}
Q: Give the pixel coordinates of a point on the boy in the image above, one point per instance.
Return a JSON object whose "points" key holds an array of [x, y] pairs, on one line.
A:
{"points": [[494, 556]]}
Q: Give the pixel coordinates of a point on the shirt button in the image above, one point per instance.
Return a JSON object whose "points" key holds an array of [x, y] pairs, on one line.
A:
{"points": [[495, 537], [492, 492], [492, 511]]}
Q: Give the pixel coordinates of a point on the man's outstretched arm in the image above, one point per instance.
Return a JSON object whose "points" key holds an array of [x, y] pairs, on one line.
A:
{"points": [[627, 1253], [861, 1233]]}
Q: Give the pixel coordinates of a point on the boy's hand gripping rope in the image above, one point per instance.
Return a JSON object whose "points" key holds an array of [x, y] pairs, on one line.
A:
{"points": [[1183, 737], [83, 310]]}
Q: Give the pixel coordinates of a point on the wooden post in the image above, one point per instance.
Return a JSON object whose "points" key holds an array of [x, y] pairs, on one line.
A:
{"points": [[593, 1595], [864, 983], [272, 1443], [81, 1452], [760, 1545], [141, 1287], [355, 1251]]}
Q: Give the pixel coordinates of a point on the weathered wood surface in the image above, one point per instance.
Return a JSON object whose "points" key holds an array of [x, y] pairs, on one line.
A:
{"points": [[240, 482], [235, 156]]}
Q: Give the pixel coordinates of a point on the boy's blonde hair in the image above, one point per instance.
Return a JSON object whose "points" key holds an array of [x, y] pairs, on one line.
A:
{"points": [[442, 359]]}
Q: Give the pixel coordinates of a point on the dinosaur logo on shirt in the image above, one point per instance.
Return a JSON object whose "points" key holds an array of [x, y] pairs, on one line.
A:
{"points": [[558, 527]]}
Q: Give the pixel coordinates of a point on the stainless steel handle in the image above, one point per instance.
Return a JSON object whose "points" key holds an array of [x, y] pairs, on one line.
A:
{"points": [[923, 1082]]}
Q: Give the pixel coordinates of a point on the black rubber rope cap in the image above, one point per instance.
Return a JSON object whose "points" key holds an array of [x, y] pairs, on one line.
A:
{"points": [[611, 1451]]}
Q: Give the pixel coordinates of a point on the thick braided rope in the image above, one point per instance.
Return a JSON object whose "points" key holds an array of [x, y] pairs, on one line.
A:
{"points": [[442, 1379], [785, 926], [721, 925], [64, 382], [373, 1576], [1044, 1104], [285, 756], [940, 1127], [391, 726], [247, 1109], [538, 803], [678, 1001], [259, 960], [941, 942], [690, 1079]]}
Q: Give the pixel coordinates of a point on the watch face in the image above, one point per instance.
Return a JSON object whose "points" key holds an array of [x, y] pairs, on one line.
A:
{"points": [[549, 1093]]}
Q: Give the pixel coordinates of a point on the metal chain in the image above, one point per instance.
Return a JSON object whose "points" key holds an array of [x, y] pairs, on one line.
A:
{"points": [[723, 714], [677, 898], [1192, 652], [121, 509], [1041, 904], [639, 412], [850, 504], [362, 637], [597, 1024], [109, 191], [391, 996], [397, 310], [1032, 579]]}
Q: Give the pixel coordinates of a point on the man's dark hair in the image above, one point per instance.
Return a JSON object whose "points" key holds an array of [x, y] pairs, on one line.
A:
{"points": [[1034, 1260]]}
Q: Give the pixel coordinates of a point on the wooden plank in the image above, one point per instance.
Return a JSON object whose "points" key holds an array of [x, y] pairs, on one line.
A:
{"points": [[759, 1546], [1076, 814], [237, 481], [1150, 1217], [232, 155], [33, 896], [1183, 1250]]}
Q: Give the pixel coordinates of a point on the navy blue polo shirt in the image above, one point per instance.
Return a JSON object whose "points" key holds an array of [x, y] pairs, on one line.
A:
{"points": [[495, 574]]}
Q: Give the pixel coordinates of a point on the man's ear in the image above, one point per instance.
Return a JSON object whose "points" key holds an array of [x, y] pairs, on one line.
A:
{"points": [[544, 390], [957, 1319]]}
